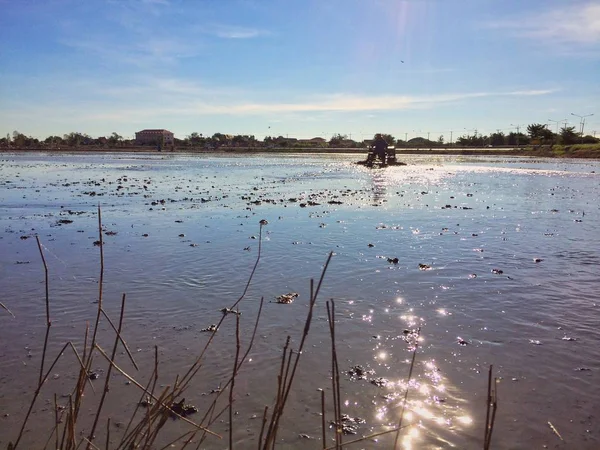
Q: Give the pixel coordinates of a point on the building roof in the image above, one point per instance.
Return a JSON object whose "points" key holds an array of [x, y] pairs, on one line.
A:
{"points": [[154, 130]]}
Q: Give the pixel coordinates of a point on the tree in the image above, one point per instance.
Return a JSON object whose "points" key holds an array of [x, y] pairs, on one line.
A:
{"points": [[115, 139], [336, 140], [537, 131], [497, 139], [568, 135], [440, 140], [391, 140]]}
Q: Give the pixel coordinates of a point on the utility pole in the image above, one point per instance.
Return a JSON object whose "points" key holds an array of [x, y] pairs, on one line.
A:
{"points": [[451, 131], [518, 127], [428, 135], [582, 122], [559, 121]]}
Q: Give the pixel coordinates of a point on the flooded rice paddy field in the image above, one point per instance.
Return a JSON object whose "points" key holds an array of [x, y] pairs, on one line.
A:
{"points": [[495, 259]]}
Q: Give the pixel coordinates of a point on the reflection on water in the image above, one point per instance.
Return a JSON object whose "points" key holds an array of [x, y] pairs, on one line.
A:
{"points": [[482, 255]]}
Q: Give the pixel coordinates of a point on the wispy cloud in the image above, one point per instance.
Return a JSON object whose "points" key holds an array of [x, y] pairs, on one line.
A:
{"points": [[575, 23], [233, 32]]}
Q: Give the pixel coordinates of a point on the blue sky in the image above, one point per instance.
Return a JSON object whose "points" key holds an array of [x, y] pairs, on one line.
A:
{"points": [[301, 68]]}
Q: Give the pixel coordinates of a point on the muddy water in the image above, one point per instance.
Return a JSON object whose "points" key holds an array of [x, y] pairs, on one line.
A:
{"points": [[509, 252]]}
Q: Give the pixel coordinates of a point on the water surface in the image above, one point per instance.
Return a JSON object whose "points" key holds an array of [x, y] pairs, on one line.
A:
{"points": [[511, 246]]}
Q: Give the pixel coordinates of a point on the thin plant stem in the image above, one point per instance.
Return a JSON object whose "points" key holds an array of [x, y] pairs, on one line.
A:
{"points": [[410, 371], [233, 375], [108, 374], [7, 310], [370, 436], [121, 339], [323, 428], [130, 378], [107, 434]]}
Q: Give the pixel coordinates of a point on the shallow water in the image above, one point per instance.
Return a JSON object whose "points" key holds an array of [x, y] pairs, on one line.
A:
{"points": [[463, 217]]}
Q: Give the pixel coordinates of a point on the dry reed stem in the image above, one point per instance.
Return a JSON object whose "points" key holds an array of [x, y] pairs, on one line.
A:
{"points": [[7, 310], [154, 376], [410, 371], [109, 372], [193, 370], [168, 408], [370, 436], [48, 323], [121, 339], [35, 396], [285, 389], [493, 404], [107, 433], [555, 431], [210, 410], [100, 287], [233, 375], [335, 376], [323, 429], [262, 428]]}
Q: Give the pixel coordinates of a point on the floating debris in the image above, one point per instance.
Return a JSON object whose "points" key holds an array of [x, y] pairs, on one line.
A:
{"points": [[146, 402], [535, 342], [379, 382], [359, 372], [371, 245], [288, 298], [349, 424], [583, 369], [393, 260], [304, 436], [210, 328], [537, 260], [64, 221], [230, 311], [472, 275], [497, 271], [567, 338], [93, 375], [264, 222], [424, 267], [182, 409], [461, 341], [110, 233], [555, 431]]}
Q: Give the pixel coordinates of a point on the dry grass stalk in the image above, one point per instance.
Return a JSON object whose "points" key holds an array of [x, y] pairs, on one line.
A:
{"points": [[335, 377], [410, 371], [492, 405], [6, 309], [286, 380]]}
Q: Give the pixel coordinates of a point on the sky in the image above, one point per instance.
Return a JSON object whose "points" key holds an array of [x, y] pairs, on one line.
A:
{"points": [[297, 68]]}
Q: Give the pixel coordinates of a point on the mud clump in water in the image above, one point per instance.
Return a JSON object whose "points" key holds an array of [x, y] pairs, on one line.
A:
{"points": [[288, 298], [348, 425], [379, 382], [359, 372], [181, 409]]}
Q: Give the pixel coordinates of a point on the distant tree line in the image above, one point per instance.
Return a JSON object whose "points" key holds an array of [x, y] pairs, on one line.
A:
{"points": [[537, 134]]}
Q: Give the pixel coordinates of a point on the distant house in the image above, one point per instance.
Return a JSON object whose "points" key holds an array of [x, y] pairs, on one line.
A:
{"points": [[154, 137], [318, 140]]}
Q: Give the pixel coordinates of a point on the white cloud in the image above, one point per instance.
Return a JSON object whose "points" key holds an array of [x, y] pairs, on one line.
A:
{"points": [[574, 24], [233, 32]]}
